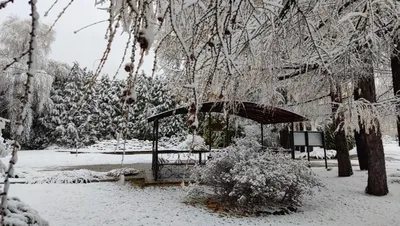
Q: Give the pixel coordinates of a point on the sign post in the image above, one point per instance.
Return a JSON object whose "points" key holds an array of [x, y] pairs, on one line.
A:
{"points": [[309, 139]]}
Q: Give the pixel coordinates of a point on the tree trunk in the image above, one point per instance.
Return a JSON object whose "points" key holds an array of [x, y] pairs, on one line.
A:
{"points": [[343, 157], [362, 149], [361, 145], [395, 64], [284, 138], [377, 180]]}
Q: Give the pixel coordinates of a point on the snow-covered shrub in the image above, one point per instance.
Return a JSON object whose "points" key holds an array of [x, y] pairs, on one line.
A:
{"points": [[244, 175], [270, 139], [195, 142], [20, 214], [123, 171], [82, 176]]}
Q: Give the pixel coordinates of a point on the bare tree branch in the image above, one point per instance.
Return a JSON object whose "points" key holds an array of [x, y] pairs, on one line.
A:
{"points": [[3, 4], [15, 60]]}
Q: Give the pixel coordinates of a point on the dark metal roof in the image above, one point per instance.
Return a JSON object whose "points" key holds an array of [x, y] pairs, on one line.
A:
{"points": [[259, 113]]}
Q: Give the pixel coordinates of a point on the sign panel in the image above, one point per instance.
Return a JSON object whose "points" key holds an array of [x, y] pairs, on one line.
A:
{"points": [[299, 138], [315, 139]]}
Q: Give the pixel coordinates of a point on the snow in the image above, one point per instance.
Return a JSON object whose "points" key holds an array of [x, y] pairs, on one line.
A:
{"points": [[317, 153], [51, 159], [341, 202], [195, 142], [350, 15]]}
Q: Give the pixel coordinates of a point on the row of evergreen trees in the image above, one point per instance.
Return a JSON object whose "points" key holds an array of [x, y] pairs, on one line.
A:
{"points": [[100, 115]]}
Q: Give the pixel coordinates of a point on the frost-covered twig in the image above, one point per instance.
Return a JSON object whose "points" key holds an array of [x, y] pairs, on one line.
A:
{"points": [[51, 7], [25, 98], [3, 4], [15, 60], [100, 66], [124, 54], [89, 25], [61, 13]]}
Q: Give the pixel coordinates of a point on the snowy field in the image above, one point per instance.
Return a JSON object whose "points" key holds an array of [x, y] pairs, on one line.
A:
{"points": [[341, 202]]}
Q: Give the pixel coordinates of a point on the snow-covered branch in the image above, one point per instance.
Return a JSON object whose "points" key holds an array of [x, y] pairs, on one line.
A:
{"points": [[24, 106]]}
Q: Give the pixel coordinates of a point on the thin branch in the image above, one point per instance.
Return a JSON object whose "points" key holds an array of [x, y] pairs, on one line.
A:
{"points": [[51, 7], [92, 24], [3, 4], [15, 60], [304, 69], [24, 105], [59, 15]]}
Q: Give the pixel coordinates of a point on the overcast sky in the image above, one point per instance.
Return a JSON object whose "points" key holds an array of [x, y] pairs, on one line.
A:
{"points": [[85, 47]]}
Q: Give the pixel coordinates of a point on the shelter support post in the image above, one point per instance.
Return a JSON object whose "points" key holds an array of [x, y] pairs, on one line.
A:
{"points": [[307, 149], [156, 126], [262, 135], [323, 141], [209, 132], [153, 135], [227, 131], [292, 139]]}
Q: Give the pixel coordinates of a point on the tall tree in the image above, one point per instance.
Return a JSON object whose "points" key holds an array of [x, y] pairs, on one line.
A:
{"points": [[377, 179], [395, 65], [344, 163]]}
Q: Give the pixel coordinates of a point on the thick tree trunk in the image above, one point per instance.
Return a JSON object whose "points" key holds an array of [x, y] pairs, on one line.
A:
{"points": [[343, 157], [377, 180], [395, 64], [362, 150], [361, 145]]}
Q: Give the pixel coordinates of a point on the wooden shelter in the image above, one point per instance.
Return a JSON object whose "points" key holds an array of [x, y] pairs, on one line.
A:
{"points": [[259, 113]]}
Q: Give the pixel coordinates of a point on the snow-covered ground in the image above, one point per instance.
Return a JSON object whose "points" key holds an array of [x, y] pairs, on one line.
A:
{"points": [[341, 202], [129, 145]]}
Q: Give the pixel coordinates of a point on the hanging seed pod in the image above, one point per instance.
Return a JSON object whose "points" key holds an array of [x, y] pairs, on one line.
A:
{"points": [[143, 42], [128, 67]]}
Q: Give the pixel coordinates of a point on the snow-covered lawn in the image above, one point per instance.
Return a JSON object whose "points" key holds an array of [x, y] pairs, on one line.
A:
{"points": [[341, 202]]}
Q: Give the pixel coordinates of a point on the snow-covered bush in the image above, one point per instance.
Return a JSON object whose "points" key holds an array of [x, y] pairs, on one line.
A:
{"points": [[253, 131], [243, 175], [123, 171], [81, 176], [195, 142], [20, 214]]}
